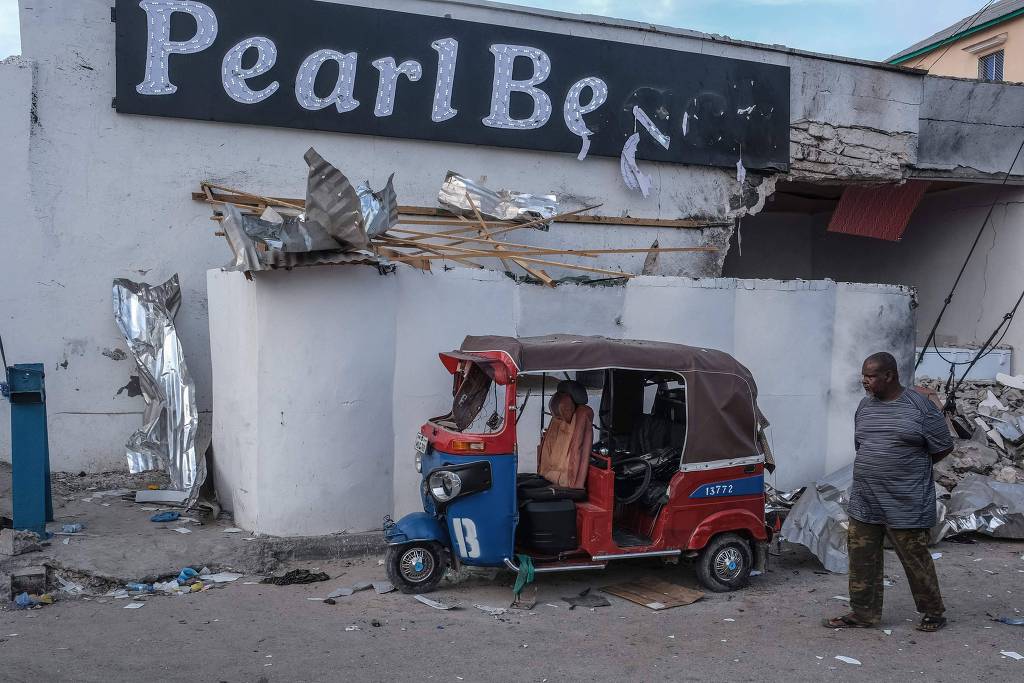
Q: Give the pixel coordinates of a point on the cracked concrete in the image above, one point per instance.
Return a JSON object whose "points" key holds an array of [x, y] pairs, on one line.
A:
{"points": [[822, 151]]}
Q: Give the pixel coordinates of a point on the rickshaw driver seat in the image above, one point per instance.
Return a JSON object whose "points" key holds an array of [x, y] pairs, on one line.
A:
{"points": [[565, 446]]}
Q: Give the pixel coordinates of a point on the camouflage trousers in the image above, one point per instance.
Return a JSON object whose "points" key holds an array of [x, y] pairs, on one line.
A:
{"points": [[867, 569]]}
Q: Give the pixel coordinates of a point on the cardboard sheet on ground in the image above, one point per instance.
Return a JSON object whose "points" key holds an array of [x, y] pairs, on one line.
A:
{"points": [[657, 595]]}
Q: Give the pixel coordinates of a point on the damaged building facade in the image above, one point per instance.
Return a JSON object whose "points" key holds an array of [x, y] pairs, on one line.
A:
{"points": [[112, 121]]}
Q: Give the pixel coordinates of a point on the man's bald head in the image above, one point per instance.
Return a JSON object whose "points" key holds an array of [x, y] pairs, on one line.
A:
{"points": [[880, 376]]}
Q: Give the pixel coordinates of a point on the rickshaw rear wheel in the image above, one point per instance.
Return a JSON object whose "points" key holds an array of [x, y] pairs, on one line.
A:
{"points": [[725, 563], [416, 567]]}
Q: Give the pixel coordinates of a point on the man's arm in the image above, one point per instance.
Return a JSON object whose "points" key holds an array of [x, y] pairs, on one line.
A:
{"points": [[941, 454]]}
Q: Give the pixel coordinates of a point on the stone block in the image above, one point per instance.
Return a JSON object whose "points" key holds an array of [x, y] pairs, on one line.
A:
{"points": [[31, 580]]}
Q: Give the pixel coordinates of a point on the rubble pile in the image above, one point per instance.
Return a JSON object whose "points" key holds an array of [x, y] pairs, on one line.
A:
{"points": [[992, 414]]}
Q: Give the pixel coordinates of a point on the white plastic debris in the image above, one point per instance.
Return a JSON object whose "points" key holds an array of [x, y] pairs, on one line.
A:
{"points": [[728, 619], [741, 172], [936, 556], [353, 627], [69, 587], [848, 660], [222, 577], [844, 598], [1016, 382], [232, 530], [182, 530], [135, 605], [1011, 654], [433, 603], [887, 631], [991, 404]]}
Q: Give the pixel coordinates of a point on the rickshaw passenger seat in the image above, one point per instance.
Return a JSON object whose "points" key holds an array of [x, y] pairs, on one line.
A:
{"points": [[564, 455]]}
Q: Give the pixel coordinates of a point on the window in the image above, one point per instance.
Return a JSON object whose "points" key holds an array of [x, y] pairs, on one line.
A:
{"points": [[990, 67]]}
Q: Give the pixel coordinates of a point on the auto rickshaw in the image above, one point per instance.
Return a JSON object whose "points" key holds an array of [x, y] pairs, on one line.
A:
{"points": [[672, 467]]}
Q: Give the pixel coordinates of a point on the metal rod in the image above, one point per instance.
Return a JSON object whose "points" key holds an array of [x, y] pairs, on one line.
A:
{"points": [[543, 385], [549, 570], [653, 553]]}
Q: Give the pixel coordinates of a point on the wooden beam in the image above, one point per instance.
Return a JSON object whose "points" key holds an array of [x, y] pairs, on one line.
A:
{"points": [[448, 216], [554, 264], [512, 254]]}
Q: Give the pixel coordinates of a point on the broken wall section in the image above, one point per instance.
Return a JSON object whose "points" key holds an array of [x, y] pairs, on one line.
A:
{"points": [[853, 123]]}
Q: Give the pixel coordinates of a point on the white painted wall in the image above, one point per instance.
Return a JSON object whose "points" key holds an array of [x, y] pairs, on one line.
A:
{"points": [[92, 195], [324, 375], [928, 259]]}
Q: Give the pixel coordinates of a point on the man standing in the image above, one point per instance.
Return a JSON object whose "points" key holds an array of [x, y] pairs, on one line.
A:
{"points": [[898, 435]]}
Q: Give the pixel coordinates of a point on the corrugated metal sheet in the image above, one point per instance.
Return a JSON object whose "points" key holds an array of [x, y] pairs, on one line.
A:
{"points": [[881, 212]]}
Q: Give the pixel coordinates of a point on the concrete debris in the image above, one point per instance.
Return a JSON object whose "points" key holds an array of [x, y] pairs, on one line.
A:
{"points": [[18, 542], [995, 447]]}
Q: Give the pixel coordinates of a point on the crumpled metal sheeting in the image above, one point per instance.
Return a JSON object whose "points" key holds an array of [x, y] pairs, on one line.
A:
{"points": [[819, 521], [987, 506], [780, 501], [380, 209], [501, 205], [166, 439], [282, 259], [239, 230], [333, 205]]}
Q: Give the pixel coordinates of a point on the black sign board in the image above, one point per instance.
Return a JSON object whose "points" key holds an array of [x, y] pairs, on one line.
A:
{"points": [[325, 66]]}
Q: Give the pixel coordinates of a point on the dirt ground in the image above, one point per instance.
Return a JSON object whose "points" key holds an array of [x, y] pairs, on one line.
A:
{"points": [[769, 631]]}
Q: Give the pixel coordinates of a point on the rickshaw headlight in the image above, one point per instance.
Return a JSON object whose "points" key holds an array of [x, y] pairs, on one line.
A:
{"points": [[419, 462], [445, 485]]}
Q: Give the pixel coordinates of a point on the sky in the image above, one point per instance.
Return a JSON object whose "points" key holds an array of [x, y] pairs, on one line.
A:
{"points": [[867, 29]]}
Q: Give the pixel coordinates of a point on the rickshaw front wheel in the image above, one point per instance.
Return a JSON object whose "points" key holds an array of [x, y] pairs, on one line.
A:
{"points": [[725, 563], [416, 567]]}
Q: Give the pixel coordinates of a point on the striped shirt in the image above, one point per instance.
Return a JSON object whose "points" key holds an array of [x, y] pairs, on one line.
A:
{"points": [[892, 473]]}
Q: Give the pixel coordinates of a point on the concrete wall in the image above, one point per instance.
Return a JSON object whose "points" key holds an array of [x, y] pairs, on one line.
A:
{"points": [[330, 384], [927, 258], [970, 130]]}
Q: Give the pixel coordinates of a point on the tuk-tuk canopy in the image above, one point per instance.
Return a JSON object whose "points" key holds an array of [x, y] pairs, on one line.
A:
{"points": [[723, 419]]}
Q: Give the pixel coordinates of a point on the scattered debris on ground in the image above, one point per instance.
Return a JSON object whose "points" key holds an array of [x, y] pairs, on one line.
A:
{"points": [[587, 599], [296, 576]]}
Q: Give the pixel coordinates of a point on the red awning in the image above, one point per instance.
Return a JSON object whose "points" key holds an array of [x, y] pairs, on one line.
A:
{"points": [[882, 211]]}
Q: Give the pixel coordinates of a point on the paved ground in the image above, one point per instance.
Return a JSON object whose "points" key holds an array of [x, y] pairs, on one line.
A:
{"points": [[768, 632]]}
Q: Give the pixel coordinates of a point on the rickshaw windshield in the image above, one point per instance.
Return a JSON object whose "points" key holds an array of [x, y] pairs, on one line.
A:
{"points": [[478, 402]]}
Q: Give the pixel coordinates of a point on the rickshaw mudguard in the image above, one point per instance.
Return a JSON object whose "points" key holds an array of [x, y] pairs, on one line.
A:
{"points": [[482, 525], [724, 522], [417, 526]]}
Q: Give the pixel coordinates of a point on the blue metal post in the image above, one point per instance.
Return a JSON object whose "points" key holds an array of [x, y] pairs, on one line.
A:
{"points": [[30, 452]]}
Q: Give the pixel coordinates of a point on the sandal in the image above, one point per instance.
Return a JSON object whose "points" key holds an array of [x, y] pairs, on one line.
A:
{"points": [[846, 621], [930, 624]]}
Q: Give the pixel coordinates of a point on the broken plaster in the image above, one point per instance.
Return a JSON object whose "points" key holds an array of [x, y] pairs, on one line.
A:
{"points": [[822, 151]]}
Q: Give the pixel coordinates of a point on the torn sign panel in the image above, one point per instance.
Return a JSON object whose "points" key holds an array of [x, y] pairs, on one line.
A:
{"points": [[634, 178], [501, 205], [166, 439]]}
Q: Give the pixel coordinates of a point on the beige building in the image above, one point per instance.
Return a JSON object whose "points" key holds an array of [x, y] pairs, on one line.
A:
{"points": [[987, 45]]}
